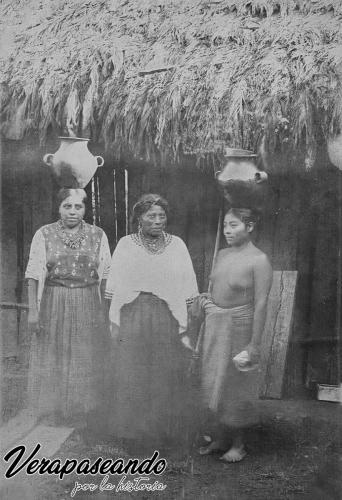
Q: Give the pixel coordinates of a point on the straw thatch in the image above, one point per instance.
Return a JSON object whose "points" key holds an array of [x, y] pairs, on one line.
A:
{"points": [[174, 76]]}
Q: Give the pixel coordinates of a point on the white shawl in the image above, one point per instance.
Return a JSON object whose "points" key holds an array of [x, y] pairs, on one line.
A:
{"points": [[169, 275]]}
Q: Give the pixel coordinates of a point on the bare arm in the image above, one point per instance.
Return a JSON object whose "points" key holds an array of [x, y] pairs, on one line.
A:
{"points": [[104, 300], [103, 289], [262, 275], [33, 304], [35, 275]]}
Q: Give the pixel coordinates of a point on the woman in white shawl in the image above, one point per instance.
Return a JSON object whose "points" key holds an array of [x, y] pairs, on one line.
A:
{"points": [[150, 278]]}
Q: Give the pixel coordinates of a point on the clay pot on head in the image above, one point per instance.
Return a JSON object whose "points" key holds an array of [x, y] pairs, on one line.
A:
{"points": [[242, 182], [73, 165]]}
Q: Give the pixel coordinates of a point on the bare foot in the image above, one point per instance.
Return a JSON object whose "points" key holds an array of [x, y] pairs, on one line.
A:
{"points": [[211, 448], [234, 454]]}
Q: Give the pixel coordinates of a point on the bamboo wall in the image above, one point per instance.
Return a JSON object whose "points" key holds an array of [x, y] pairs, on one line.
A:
{"points": [[299, 232]]}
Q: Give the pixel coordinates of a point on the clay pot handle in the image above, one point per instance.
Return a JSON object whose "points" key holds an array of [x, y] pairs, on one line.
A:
{"points": [[99, 164], [48, 159], [260, 177]]}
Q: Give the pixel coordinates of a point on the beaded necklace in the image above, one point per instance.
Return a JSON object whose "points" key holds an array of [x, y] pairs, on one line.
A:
{"points": [[155, 246], [72, 240]]}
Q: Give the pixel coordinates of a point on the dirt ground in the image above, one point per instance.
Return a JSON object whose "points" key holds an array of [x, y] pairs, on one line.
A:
{"points": [[295, 455], [285, 461]]}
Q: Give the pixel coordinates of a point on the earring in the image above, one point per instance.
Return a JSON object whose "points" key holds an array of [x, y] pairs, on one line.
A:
{"points": [[139, 227]]}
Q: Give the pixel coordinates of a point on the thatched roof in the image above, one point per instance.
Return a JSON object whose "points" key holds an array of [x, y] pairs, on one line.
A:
{"points": [[174, 76]]}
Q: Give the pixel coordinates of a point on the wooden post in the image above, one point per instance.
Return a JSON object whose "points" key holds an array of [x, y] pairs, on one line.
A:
{"points": [[1, 378], [339, 285], [217, 243]]}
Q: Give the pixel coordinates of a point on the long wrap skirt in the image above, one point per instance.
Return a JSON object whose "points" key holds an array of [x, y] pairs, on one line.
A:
{"points": [[149, 379], [228, 393], [68, 354]]}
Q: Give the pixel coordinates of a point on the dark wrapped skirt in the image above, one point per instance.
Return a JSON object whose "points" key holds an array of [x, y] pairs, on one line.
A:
{"points": [[149, 393], [228, 393]]}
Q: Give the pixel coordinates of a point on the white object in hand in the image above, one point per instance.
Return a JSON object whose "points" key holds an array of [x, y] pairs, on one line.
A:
{"points": [[243, 363]]}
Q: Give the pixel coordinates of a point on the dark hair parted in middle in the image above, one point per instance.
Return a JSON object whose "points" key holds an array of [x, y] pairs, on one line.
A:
{"points": [[246, 215], [64, 193], [145, 202]]}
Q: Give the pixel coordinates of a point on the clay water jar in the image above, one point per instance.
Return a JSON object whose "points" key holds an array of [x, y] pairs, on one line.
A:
{"points": [[242, 181], [73, 165]]}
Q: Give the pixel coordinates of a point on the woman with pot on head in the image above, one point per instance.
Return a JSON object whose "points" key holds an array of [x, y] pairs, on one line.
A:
{"points": [[69, 261], [150, 279], [235, 316]]}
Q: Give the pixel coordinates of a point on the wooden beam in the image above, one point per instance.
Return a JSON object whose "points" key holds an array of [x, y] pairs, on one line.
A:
{"points": [[120, 201], [13, 305], [49, 437], [16, 428]]}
